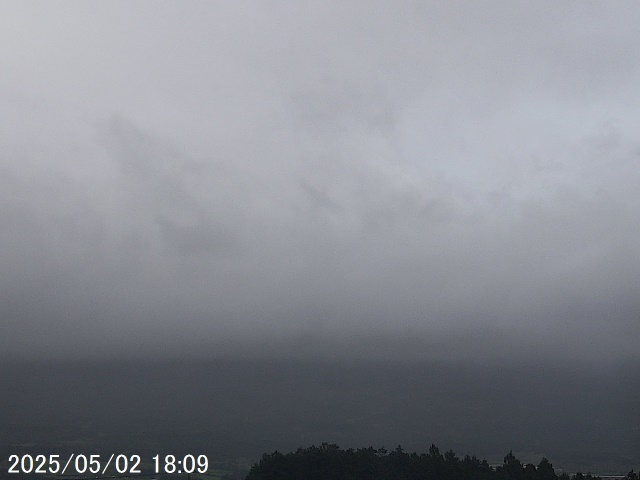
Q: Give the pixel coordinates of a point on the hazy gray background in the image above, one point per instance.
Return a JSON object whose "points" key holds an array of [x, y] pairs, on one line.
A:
{"points": [[419, 179], [367, 223], [577, 419]]}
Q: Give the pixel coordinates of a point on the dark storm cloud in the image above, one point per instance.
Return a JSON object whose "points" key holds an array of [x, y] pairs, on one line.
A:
{"points": [[321, 179]]}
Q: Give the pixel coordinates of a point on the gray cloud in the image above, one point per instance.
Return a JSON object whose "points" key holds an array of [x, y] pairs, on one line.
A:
{"points": [[242, 178]]}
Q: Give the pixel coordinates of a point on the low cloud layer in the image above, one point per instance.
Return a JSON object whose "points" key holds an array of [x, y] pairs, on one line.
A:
{"points": [[330, 179]]}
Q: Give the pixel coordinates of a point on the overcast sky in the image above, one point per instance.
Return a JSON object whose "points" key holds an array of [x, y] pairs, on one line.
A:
{"points": [[349, 178]]}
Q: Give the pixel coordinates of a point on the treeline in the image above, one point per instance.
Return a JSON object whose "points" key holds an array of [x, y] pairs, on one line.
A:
{"points": [[329, 462]]}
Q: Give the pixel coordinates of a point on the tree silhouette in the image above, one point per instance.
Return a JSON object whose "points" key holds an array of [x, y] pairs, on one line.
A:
{"points": [[329, 462]]}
